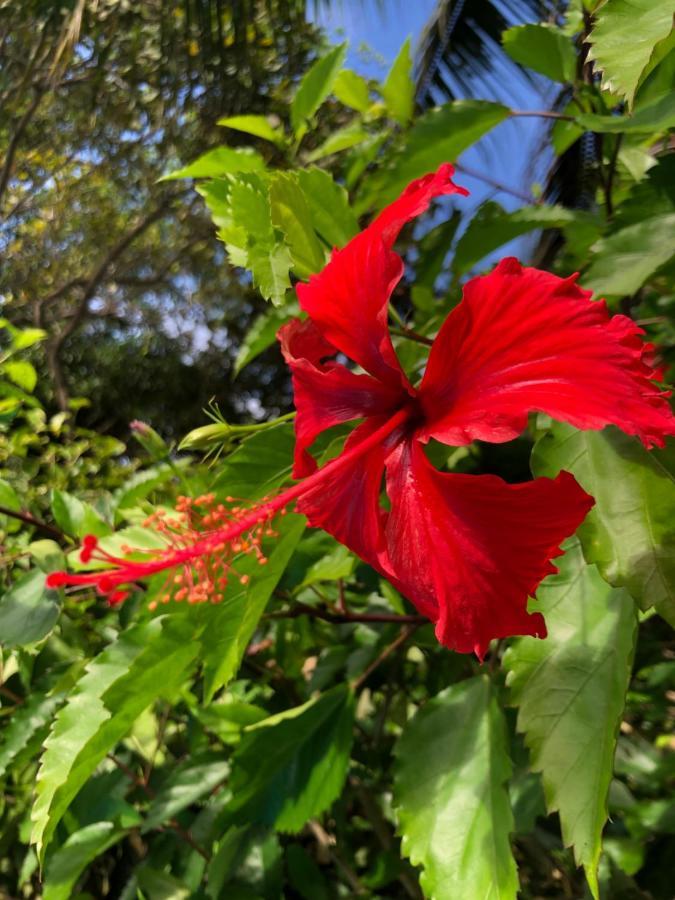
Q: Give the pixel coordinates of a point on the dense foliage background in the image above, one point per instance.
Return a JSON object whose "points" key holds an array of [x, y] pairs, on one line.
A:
{"points": [[304, 738]]}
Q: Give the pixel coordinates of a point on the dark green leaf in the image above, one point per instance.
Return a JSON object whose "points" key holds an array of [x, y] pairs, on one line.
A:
{"points": [[291, 767], [570, 689], [70, 860], [28, 611], [184, 787], [544, 48], [629, 533], [450, 794], [261, 335], [261, 463]]}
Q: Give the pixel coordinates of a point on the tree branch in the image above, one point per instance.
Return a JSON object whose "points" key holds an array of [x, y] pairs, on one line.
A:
{"points": [[30, 519], [342, 618], [6, 171]]}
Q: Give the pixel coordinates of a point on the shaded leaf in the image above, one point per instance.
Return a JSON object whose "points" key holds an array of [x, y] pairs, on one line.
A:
{"points": [[261, 463], [184, 787], [450, 795], [28, 611], [70, 860], [544, 48], [570, 689], [261, 335], [630, 532], [291, 767]]}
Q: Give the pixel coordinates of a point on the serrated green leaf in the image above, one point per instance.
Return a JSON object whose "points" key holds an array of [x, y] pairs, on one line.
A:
{"points": [[544, 48], [259, 126], [331, 214], [290, 213], [570, 689], [339, 563], [220, 161], [438, 136], [184, 787], [147, 661], [261, 335], [70, 860], [291, 767], [28, 721], [22, 373], [623, 261], [352, 90], [493, 226], [342, 139], [451, 798], [246, 865], [622, 53], [230, 624], [141, 484], [315, 86], [398, 89], [28, 611], [629, 532]]}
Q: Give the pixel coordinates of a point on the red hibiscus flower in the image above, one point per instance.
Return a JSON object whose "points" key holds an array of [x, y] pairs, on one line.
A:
{"points": [[467, 550]]}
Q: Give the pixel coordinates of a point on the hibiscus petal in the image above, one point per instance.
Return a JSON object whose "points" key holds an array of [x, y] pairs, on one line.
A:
{"points": [[326, 394], [348, 298], [524, 340], [468, 550], [346, 504]]}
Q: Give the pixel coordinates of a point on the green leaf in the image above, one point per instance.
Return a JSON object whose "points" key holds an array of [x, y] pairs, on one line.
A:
{"points": [[492, 226], [622, 54], [398, 89], [649, 119], [544, 48], [75, 517], [433, 249], [438, 136], [329, 207], [8, 496], [315, 86], [184, 787], [450, 795], [246, 865], [22, 373], [629, 531], [261, 335], [352, 90], [230, 624], [158, 885], [147, 661], [570, 689], [291, 767], [141, 484], [259, 126], [70, 860], [339, 563], [623, 261], [290, 213], [220, 161], [28, 611], [259, 465], [28, 721], [339, 140]]}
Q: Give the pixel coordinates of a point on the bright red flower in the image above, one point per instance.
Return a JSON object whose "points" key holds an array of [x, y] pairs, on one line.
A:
{"points": [[468, 551]]}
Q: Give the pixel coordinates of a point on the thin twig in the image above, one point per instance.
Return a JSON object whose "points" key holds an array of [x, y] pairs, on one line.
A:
{"points": [[358, 683], [326, 843], [497, 185], [342, 618], [30, 519], [540, 114], [411, 335]]}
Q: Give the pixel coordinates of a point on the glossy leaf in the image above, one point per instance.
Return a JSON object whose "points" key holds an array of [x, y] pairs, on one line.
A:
{"points": [[438, 136], [450, 794], [570, 691], [626, 259], [258, 126], [398, 89], [544, 48], [229, 625], [147, 661], [622, 59], [220, 161], [629, 533], [28, 611], [316, 86], [291, 767], [331, 213]]}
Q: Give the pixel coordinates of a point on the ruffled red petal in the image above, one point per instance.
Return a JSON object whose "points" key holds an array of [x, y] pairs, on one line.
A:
{"points": [[524, 340], [326, 394], [468, 550], [348, 298], [346, 504]]}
